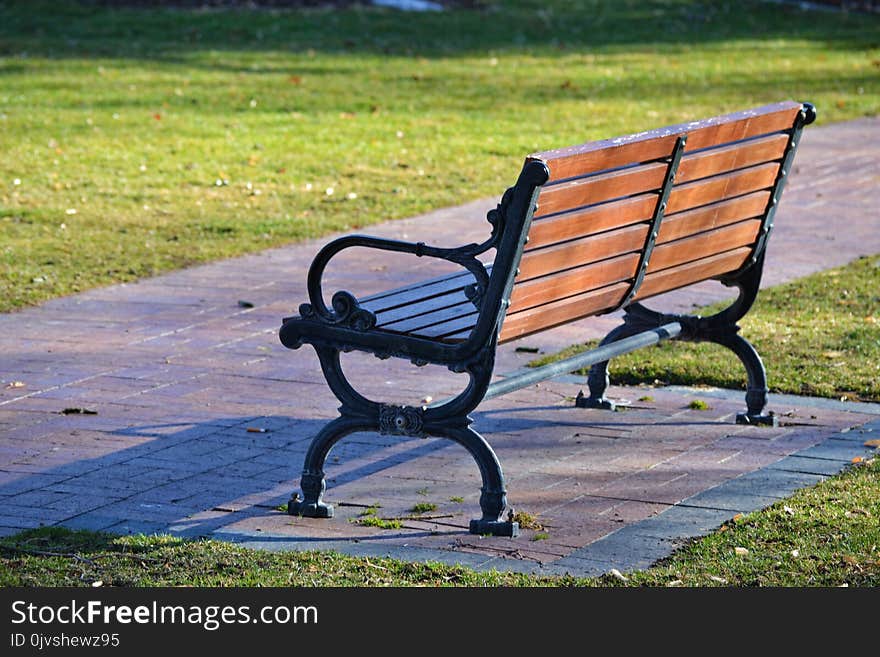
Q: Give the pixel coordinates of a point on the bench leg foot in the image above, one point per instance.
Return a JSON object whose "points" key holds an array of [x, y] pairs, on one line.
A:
{"points": [[312, 484], [312, 506], [756, 392], [582, 401], [598, 380], [769, 420], [493, 496], [494, 528], [492, 503]]}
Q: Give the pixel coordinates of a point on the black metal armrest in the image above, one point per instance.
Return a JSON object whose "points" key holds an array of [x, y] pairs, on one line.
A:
{"points": [[344, 304]]}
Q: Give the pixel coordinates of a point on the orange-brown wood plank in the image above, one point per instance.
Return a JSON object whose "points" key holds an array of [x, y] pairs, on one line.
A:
{"points": [[709, 217], [656, 144], [728, 158], [546, 289], [743, 125], [711, 190], [588, 221], [583, 251], [559, 312], [703, 245], [603, 187], [693, 272]]}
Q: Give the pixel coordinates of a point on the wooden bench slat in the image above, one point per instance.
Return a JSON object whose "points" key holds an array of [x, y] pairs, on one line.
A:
{"points": [[415, 323], [390, 299], [596, 189], [546, 289], [692, 272], [576, 161], [590, 220], [441, 331], [711, 190], [705, 244], [559, 312], [421, 307], [583, 251], [709, 217], [738, 155], [771, 118]]}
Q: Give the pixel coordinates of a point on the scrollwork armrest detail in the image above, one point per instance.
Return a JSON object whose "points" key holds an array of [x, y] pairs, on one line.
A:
{"points": [[345, 309], [346, 312]]}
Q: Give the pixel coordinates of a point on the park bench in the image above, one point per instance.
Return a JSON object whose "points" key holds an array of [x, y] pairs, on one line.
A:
{"points": [[585, 230]]}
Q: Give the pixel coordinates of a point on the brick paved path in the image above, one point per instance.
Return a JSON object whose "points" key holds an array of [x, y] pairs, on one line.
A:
{"points": [[202, 418]]}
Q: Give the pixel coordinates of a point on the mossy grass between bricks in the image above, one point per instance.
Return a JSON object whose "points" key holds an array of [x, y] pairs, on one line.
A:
{"points": [[818, 336], [827, 535], [137, 141]]}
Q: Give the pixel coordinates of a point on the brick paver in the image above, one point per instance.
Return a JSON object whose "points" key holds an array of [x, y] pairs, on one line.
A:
{"points": [[201, 418]]}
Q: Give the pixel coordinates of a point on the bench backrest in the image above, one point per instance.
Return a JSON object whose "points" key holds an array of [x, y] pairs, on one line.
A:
{"points": [[624, 219]]}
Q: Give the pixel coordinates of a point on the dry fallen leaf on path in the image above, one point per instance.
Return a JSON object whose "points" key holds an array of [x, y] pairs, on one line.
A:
{"points": [[856, 459], [16, 384], [257, 430], [872, 443]]}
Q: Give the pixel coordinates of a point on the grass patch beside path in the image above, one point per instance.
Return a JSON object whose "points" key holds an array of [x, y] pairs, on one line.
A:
{"points": [[136, 141], [819, 336], [827, 535]]}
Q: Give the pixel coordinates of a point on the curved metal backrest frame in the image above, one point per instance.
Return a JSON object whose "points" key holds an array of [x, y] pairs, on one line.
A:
{"points": [[517, 218]]}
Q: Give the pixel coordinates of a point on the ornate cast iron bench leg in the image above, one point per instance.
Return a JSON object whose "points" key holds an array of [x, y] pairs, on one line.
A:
{"points": [[720, 328], [449, 420]]}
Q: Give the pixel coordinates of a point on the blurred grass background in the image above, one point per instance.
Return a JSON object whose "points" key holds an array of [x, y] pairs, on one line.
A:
{"points": [[139, 140]]}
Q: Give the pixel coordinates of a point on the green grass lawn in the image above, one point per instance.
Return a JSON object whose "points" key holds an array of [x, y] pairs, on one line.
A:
{"points": [[138, 141], [826, 535]]}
